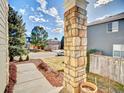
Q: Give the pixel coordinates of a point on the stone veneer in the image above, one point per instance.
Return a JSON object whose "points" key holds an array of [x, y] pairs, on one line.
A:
{"points": [[75, 48], [3, 45]]}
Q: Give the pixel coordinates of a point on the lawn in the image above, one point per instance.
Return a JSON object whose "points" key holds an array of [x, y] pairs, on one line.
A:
{"points": [[56, 63], [105, 84]]}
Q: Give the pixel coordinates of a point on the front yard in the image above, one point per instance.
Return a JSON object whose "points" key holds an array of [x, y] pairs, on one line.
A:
{"points": [[105, 84], [56, 62], [108, 86]]}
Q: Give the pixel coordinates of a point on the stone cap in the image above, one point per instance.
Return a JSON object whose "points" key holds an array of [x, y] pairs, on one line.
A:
{"points": [[71, 3]]}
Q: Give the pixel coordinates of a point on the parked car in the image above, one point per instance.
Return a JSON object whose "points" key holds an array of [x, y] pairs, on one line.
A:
{"points": [[60, 53]]}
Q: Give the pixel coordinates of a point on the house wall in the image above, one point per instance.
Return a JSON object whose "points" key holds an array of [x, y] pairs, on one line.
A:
{"points": [[53, 45], [112, 68], [99, 38], [3, 45]]}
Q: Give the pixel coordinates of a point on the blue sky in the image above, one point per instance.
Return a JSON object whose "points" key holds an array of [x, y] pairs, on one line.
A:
{"points": [[49, 13]]}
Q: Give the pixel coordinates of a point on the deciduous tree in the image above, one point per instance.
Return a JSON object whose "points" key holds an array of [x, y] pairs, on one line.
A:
{"points": [[39, 37]]}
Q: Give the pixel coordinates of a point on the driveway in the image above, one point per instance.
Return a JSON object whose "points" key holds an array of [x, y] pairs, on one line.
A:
{"points": [[42, 55]]}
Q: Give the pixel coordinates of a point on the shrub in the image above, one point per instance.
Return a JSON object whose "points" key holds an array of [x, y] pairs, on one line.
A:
{"points": [[20, 59], [27, 58], [43, 66]]}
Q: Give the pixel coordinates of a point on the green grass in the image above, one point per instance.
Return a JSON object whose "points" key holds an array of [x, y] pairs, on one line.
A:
{"points": [[56, 63], [105, 83]]}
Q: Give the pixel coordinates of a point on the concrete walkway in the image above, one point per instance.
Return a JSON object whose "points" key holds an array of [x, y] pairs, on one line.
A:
{"points": [[30, 80]]}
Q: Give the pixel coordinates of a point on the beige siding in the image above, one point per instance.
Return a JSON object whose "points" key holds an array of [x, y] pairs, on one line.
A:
{"points": [[3, 45]]}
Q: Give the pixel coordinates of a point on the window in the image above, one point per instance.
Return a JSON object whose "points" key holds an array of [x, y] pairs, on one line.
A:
{"points": [[109, 27], [122, 53], [117, 54], [113, 26], [118, 50]]}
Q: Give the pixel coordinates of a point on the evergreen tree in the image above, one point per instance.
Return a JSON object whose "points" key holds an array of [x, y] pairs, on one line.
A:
{"points": [[17, 37], [39, 37], [62, 43], [55, 38]]}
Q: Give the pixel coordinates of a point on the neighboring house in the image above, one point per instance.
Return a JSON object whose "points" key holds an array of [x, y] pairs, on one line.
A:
{"points": [[53, 44], [4, 64], [107, 35]]}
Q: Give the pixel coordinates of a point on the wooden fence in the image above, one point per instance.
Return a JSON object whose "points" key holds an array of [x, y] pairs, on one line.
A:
{"points": [[112, 68]]}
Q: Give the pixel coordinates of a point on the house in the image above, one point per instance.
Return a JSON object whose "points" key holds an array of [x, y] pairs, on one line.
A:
{"points": [[4, 61], [53, 44], [107, 35]]}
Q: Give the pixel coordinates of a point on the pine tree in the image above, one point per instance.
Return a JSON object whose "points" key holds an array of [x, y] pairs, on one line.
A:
{"points": [[17, 36], [62, 43]]}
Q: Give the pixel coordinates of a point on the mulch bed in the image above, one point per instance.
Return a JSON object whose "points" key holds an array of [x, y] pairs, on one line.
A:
{"points": [[99, 91], [55, 78], [12, 78]]}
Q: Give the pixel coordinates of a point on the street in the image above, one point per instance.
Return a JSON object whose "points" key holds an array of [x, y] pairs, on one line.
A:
{"points": [[41, 55]]}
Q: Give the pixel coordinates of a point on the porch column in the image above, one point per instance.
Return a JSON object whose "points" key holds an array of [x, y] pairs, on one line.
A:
{"points": [[75, 44]]}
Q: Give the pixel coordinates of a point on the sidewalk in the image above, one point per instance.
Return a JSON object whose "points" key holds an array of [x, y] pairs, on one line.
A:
{"points": [[30, 80]]}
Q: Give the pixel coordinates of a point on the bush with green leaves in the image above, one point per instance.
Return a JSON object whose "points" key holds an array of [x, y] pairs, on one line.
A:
{"points": [[39, 37]]}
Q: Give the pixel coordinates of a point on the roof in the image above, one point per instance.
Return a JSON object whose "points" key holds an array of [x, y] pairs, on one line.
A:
{"points": [[108, 19], [52, 40]]}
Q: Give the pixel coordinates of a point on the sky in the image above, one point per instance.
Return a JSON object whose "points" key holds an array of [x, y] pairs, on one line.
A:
{"points": [[49, 13]]}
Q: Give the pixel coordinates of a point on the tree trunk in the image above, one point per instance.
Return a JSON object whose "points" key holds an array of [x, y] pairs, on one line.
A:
{"points": [[20, 59], [11, 58]]}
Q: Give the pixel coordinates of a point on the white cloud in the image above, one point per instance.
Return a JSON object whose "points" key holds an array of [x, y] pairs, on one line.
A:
{"points": [[100, 18], [52, 12], [102, 2], [57, 30], [40, 15], [60, 25], [46, 28], [43, 4], [36, 19], [22, 11], [43, 7], [59, 21]]}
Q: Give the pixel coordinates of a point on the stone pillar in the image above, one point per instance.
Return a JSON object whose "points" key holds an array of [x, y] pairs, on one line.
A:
{"points": [[75, 44]]}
